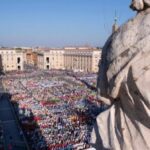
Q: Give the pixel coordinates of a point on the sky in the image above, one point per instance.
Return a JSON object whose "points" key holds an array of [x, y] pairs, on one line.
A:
{"points": [[58, 23]]}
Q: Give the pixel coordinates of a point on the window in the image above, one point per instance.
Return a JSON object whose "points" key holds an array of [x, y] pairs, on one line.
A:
{"points": [[19, 68], [47, 67], [18, 60], [47, 59]]}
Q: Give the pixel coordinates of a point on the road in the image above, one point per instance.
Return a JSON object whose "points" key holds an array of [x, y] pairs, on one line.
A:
{"points": [[11, 129]]}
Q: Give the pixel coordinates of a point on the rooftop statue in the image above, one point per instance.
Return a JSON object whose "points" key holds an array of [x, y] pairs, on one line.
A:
{"points": [[140, 5], [124, 84]]}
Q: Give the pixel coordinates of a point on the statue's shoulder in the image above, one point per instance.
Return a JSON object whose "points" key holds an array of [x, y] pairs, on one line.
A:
{"points": [[127, 35]]}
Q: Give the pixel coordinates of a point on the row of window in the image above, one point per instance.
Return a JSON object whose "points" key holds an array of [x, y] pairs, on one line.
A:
{"points": [[18, 59], [19, 67]]}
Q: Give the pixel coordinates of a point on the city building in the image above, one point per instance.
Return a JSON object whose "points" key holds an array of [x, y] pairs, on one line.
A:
{"points": [[31, 57], [78, 59], [57, 59], [82, 59], [11, 59], [43, 60], [50, 59]]}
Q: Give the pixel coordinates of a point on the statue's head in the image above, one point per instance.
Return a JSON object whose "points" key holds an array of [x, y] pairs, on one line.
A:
{"points": [[140, 5]]}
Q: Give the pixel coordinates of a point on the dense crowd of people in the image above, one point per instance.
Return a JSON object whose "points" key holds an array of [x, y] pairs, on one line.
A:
{"points": [[56, 109]]}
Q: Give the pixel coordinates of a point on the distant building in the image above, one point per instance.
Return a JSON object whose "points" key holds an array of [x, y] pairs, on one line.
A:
{"points": [[57, 59], [51, 59], [77, 59], [43, 60], [31, 57], [81, 59], [11, 59]]}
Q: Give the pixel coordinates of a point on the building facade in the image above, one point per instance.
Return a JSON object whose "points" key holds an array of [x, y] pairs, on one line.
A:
{"points": [[57, 59], [77, 59], [11, 59], [50, 59], [30, 56], [81, 59], [43, 60]]}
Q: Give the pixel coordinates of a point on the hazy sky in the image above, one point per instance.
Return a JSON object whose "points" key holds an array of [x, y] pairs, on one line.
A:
{"points": [[56, 23]]}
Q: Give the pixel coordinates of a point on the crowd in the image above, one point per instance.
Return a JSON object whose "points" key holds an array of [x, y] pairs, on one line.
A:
{"points": [[55, 109]]}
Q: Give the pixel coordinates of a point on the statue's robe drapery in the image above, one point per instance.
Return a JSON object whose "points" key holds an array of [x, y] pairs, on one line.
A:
{"points": [[124, 79]]}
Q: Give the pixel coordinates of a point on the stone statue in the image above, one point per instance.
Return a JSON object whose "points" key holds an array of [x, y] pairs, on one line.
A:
{"points": [[124, 84], [140, 5]]}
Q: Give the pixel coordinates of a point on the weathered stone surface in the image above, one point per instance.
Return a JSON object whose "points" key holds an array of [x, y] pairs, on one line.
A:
{"points": [[140, 5], [124, 83]]}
